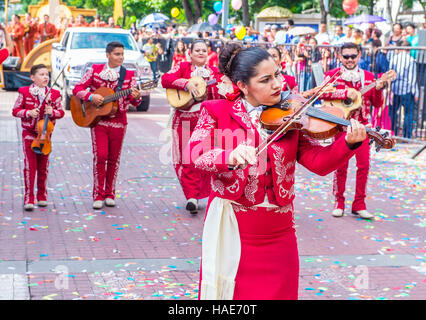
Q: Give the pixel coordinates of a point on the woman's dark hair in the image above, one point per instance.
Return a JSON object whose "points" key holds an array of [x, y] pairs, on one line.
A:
{"points": [[37, 67], [377, 32], [277, 50], [197, 41], [240, 64], [398, 24], [177, 47], [112, 45]]}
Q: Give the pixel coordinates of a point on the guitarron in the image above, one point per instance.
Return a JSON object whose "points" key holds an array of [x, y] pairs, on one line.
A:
{"points": [[181, 99]]}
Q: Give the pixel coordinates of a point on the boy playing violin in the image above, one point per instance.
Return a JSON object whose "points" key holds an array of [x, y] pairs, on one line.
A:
{"points": [[31, 106]]}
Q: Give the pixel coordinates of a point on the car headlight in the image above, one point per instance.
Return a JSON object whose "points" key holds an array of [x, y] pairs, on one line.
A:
{"points": [[75, 70]]}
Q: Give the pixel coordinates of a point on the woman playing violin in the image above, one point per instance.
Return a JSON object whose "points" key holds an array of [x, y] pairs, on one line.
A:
{"points": [[249, 248], [194, 185]]}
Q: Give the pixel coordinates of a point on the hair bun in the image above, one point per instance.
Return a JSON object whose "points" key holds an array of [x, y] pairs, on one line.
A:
{"points": [[227, 56]]}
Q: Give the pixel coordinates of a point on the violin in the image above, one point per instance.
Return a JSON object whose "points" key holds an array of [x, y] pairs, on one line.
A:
{"points": [[319, 123], [42, 144]]}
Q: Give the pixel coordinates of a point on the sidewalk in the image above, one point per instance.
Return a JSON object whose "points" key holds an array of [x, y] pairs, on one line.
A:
{"points": [[149, 247]]}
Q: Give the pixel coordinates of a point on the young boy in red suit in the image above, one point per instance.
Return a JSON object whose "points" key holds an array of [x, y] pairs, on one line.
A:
{"points": [[31, 106]]}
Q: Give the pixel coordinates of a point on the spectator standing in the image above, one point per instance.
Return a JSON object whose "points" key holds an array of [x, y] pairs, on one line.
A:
{"points": [[412, 37], [151, 53], [358, 34], [179, 54], [212, 57], [348, 35], [339, 36], [323, 36], [404, 88], [395, 36]]}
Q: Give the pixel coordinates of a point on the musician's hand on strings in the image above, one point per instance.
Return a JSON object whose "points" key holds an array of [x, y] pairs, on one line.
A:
{"points": [[356, 133], [136, 93], [34, 113], [380, 84], [97, 99], [192, 89], [242, 155], [352, 95], [48, 110]]}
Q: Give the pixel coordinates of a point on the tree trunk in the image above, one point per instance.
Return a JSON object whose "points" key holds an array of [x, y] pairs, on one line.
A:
{"points": [[389, 10], [246, 13], [323, 11], [198, 9], [188, 12]]}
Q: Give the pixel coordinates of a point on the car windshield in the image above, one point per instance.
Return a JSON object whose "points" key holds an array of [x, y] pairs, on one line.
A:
{"points": [[86, 40]]}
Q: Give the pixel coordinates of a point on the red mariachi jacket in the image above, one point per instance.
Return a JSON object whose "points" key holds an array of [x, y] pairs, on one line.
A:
{"points": [[177, 78], [371, 98], [92, 81], [224, 124], [27, 101]]}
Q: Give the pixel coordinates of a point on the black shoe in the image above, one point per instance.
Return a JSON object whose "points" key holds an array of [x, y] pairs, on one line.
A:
{"points": [[192, 205]]}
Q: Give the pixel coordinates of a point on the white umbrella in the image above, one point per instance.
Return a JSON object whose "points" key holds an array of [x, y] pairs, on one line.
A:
{"points": [[297, 31], [153, 18]]}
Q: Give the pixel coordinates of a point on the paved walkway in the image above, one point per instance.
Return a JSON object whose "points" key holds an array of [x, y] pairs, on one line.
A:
{"points": [[148, 246]]}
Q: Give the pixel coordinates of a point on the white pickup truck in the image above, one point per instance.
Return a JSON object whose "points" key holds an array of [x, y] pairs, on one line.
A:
{"points": [[83, 47]]}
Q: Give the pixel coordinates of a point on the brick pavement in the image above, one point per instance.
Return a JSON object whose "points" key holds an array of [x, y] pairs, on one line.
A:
{"points": [[148, 247]]}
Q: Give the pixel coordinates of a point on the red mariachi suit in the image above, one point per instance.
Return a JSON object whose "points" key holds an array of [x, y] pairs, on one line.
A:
{"points": [[108, 134], [29, 38], [362, 154], [269, 267], [47, 31], [17, 30], [33, 162], [194, 184]]}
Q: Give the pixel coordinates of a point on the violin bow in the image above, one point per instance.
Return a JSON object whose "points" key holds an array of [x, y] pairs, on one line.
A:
{"points": [[50, 89], [281, 129]]}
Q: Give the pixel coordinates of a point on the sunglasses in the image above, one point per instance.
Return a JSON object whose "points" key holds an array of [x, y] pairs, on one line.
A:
{"points": [[347, 57]]}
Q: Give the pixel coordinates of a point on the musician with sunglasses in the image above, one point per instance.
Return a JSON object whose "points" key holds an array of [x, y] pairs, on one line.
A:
{"points": [[108, 134], [352, 76]]}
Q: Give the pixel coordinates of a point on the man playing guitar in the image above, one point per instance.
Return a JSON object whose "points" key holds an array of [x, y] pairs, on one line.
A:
{"points": [[352, 76], [108, 134]]}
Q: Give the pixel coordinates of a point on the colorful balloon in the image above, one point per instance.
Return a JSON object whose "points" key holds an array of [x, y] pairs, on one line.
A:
{"points": [[236, 4], [174, 12], [213, 19], [240, 32], [217, 6], [350, 6]]}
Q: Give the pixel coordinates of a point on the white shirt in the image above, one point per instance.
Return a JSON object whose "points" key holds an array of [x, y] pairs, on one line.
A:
{"points": [[323, 37]]}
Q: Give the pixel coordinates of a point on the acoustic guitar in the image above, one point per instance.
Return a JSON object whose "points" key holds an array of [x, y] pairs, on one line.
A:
{"points": [[181, 99], [348, 106], [87, 114]]}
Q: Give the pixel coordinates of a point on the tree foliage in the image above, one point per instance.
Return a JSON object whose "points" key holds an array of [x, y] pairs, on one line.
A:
{"points": [[203, 8]]}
